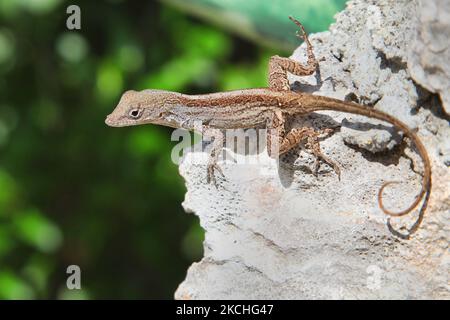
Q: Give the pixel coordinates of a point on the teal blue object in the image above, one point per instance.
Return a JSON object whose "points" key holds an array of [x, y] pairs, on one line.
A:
{"points": [[265, 21]]}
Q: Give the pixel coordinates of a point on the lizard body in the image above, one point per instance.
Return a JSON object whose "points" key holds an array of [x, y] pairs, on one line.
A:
{"points": [[250, 108]]}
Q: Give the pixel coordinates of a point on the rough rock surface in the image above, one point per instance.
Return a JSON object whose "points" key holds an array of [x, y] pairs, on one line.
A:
{"points": [[428, 61], [276, 231]]}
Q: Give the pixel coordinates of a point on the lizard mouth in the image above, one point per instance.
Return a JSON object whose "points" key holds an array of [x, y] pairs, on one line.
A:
{"points": [[119, 122], [110, 122]]}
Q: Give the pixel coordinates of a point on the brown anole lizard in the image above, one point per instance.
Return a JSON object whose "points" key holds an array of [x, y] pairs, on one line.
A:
{"points": [[249, 108]]}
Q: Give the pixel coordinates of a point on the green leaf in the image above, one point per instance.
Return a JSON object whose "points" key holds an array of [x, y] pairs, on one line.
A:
{"points": [[72, 47], [12, 287], [39, 6], [146, 141], [36, 230], [8, 191], [193, 242], [130, 58], [6, 243], [7, 45], [66, 294], [109, 81], [205, 41], [37, 271], [179, 72]]}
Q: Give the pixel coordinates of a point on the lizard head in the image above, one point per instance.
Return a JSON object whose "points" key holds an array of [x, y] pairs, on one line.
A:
{"points": [[148, 106]]}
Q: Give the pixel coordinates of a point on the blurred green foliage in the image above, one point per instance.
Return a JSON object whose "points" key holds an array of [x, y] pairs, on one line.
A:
{"points": [[74, 191], [264, 21]]}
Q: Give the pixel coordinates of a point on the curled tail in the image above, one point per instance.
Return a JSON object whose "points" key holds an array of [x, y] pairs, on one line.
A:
{"points": [[325, 103]]}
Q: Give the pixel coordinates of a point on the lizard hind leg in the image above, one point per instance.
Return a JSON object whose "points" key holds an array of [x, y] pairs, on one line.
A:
{"points": [[279, 66], [296, 136], [314, 145]]}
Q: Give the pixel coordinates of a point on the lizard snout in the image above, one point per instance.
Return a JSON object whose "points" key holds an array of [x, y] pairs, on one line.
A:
{"points": [[110, 121]]}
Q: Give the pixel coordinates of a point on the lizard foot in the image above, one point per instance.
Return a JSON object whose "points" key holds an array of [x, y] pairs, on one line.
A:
{"points": [[313, 145], [331, 163], [210, 176], [326, 132], [328, 161]]}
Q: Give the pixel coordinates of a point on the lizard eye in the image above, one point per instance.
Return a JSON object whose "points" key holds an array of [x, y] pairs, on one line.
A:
{"points": [[135, 113]]}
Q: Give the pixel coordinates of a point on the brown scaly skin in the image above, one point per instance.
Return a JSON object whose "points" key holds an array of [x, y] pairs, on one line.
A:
{"points": [[254, 107]]}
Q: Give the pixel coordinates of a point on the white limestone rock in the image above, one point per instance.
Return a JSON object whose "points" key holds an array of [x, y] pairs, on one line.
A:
{"points": [[276, 231], [429, 59]]}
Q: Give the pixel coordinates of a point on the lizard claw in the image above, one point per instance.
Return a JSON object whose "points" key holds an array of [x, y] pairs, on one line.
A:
{"points": [[331, 163], [326, 132], [337, 170], [315, 171]]}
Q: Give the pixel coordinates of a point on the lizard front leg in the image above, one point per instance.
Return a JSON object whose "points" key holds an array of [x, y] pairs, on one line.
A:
{"points": [[279, 66], [216, 148]]}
